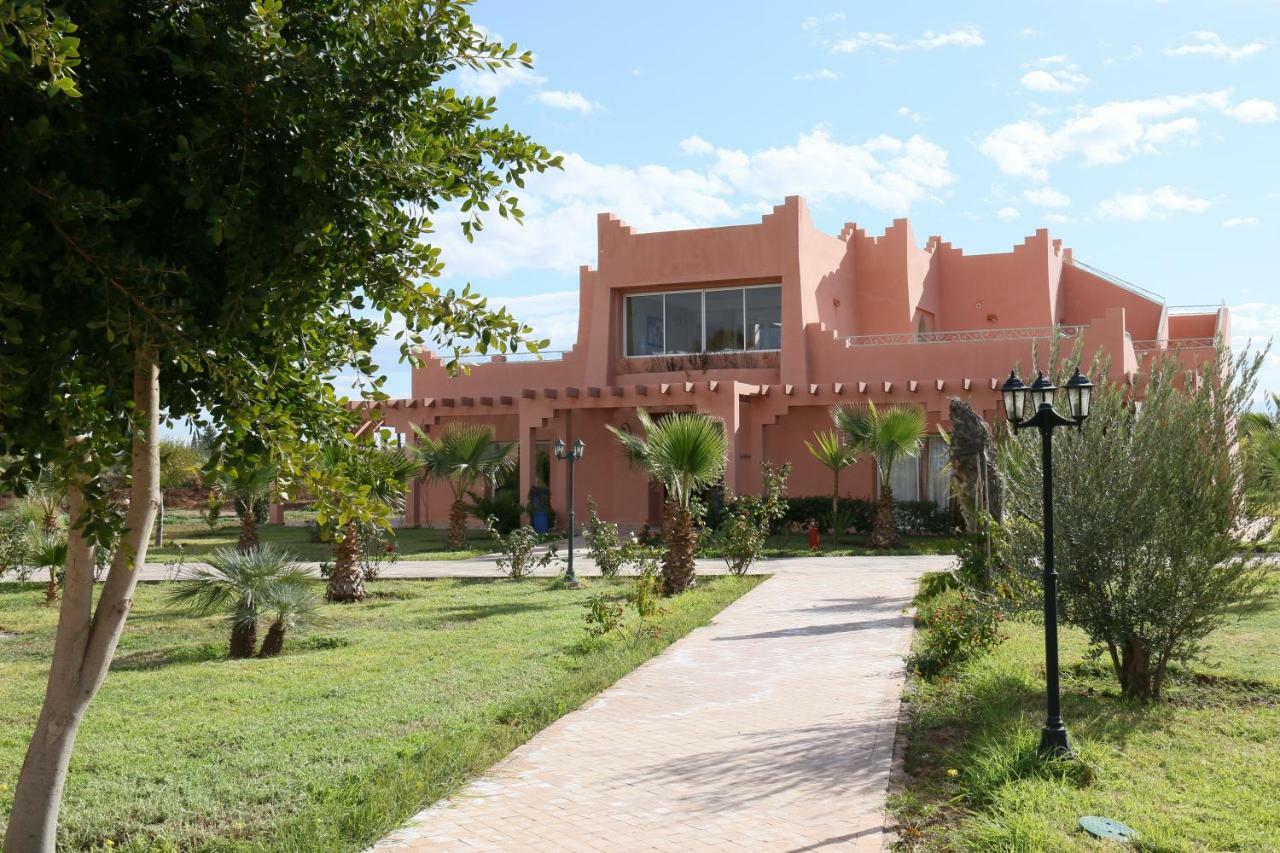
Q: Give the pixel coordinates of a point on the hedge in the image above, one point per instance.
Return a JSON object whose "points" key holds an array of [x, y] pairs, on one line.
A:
{"points": [[911, 516]]}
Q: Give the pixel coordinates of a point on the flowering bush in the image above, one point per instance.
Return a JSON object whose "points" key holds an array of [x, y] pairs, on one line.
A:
{"points": [[516, 558], [602, 543], [957, 626]]}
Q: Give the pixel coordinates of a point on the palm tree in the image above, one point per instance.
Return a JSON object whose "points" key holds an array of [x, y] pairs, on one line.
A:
{"points": [[685, 453], [249, 486], [888, 435], [382, 475], [836, 455], [48, 550], [463, 456], [1261, 445], [243, 585], [291, 605]]}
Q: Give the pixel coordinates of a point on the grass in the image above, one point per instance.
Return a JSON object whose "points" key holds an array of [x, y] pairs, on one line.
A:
{"points": [[185, 535], [393, 704], [797, 545], [1200, 771]]}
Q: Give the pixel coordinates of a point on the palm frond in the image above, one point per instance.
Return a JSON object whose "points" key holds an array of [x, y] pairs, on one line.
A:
{"points": [[685, 451], [463, 455], [831, 450]]}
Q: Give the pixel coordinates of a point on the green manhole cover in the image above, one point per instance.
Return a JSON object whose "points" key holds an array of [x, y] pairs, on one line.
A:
{"points": [[1105, 827]]}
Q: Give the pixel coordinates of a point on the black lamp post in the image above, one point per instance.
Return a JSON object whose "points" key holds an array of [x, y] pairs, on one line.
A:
{"points": [[570, 455], [1032, 406]]}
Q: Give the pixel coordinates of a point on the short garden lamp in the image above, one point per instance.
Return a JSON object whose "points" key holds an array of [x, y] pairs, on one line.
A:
{"points": [[1032, 406], [570, 455]]}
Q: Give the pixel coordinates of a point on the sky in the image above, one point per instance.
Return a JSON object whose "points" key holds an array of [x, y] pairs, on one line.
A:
{"points": [[1145, 134]]}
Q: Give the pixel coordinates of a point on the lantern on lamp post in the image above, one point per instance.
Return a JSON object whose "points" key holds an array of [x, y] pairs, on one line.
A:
{"points": [[1031, 406], [570, 455]]}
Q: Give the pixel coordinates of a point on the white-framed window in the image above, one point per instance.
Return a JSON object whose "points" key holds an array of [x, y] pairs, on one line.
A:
{"points": [[905, 479], [722, 319], [939, 472]]}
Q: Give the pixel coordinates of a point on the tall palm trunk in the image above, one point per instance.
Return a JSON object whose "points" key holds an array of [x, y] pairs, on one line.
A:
{"points": [[248, 529], [346, 581], [51, 591], [835, 502], [457, 525], [682, 543], [885, 532]]}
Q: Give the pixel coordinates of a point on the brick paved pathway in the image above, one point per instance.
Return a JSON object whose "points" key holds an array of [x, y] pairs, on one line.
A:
{"points": [[770, 729]]}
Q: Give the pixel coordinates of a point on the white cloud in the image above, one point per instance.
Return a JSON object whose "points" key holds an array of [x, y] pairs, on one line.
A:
{"points": [[1253, 111], [559, 230], [487, 84], [1239, 221], [967, 36], [820, 74], [1047, 197], [1208, 43], [1109, 133], [573, 101], [696, 145], [1157, 204], [907, 112], [814, 24], [1053, 74], [1061, 81], [1007, 213], [1029, 33]]}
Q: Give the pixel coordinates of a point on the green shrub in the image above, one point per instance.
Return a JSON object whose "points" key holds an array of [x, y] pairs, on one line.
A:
{"points": [[516, 551], [14, 541], [603, 616], [859, 514], [503, 506], [605, 547], [957, 626]]}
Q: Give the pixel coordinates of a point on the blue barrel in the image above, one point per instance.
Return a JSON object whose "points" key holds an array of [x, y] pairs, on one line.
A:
{"points": [[540, 522]]}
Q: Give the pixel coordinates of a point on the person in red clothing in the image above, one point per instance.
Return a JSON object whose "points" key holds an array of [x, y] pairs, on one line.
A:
{"points": [[813, 535]]}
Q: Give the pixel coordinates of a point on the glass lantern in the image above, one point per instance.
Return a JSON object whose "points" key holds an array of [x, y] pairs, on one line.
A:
{"points": [[1012, 391], [1079, 394]]}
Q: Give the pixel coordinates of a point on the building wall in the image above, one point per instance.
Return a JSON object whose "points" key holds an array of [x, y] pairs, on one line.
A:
{"points": [[947, 324]]}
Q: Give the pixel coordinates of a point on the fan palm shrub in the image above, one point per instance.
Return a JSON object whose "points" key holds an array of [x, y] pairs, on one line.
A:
{"points": [[288, 606], [47, 549], [249, 486], [835, 454], [382, 475], [1260, 434], [243, 585], [463, 456], [685, 453], [888, 435]]}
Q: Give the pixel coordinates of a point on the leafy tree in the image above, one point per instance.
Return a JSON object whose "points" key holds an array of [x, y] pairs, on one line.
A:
{"points": [[685, 453], [37, 48], [464, 456], [236, 208], [180, 467], [1148, 502], [243, 585], [380, 476], [887, 435], [835, 454]]}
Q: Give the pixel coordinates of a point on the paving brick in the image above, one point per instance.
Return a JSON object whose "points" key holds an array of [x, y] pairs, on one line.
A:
{"points": [[769, 729]]}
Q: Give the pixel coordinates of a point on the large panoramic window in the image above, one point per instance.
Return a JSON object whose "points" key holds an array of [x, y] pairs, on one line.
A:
{"points": [[725, 319]]}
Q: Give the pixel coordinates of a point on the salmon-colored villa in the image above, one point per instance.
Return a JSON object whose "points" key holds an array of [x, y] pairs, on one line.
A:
{"points": [[765, 326]]}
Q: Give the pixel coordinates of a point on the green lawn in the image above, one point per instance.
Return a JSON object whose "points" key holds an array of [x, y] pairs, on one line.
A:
{"points": [[392, 704], [186, 535], [797, 545], [1198, 772]]}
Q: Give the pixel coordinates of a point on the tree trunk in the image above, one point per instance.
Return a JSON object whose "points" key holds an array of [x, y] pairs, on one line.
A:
{"points": [[50, 521], [160, 523], [677, 565], [244, 638], [885, 532], [273, 644], [1136, 676], [835, 503], [346, 581], [51, 591], [248, 529], [86, 637], [457, 525]]}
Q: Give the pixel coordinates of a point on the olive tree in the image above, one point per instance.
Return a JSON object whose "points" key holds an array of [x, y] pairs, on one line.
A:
{"points": [[1148, 503], [232, 208]]}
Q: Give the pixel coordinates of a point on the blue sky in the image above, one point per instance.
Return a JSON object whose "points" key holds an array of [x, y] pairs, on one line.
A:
{"points": [[1145, 134]]}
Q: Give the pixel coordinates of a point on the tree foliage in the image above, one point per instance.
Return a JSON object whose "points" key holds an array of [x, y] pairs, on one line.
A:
{"points": [[1148, 504], [464, 455], [233, 211], [888, 435]]}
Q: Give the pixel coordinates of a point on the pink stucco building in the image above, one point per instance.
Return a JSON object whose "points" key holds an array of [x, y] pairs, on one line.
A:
{"points": [[765, 326]]}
